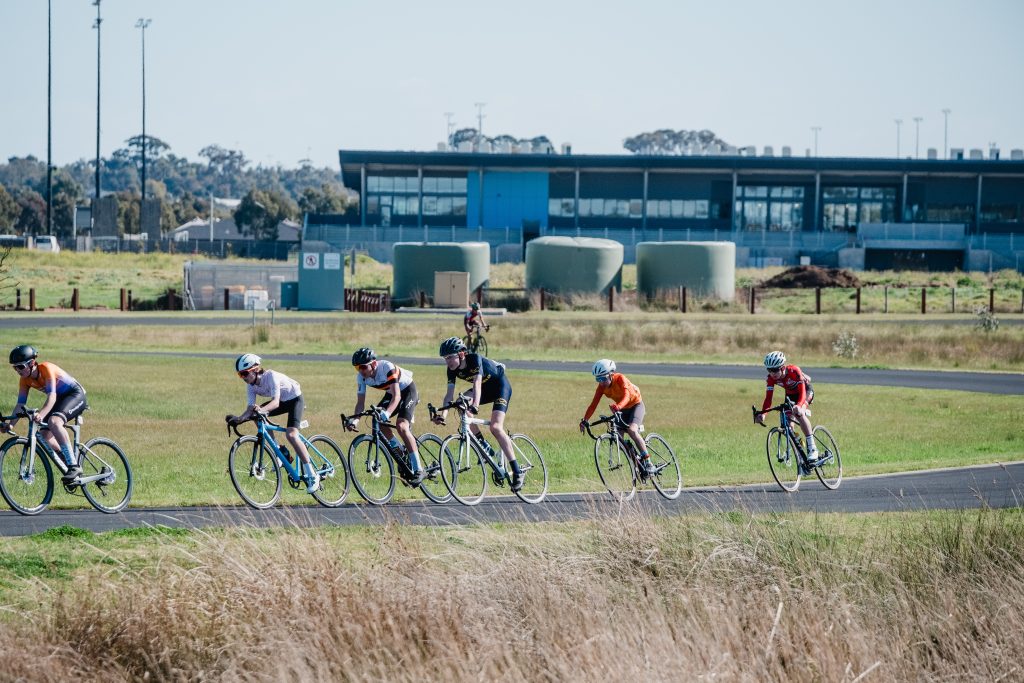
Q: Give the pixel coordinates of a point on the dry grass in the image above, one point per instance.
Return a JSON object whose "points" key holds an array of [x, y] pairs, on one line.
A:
{"points": [[732, 597]]}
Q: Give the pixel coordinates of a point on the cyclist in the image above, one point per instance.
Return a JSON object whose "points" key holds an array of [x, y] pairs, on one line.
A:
{"points": [[627, 404], [490, 385], [65, 400], [798, 390], [400, 399], [473, 321], [285, 396]]}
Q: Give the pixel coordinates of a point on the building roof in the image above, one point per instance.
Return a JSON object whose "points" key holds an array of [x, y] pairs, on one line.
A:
{"points": [[226, 229]]}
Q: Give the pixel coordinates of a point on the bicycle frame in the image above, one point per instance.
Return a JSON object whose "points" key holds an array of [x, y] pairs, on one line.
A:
{"points": [[466, 434], [34, 441], [625, 444], [265, 430], [400, 456], [786, 424]]}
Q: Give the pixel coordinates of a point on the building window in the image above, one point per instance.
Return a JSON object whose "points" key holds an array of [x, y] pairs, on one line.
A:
{"points": [[759, 207], [1000, 213], [844, 208]]}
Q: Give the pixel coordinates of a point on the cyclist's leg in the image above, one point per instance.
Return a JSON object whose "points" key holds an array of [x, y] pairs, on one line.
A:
{"points": [[634, 417], [66, 408], [293, 408]]}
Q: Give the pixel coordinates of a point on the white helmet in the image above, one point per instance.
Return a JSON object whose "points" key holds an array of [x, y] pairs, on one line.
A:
{"points": [[247, 361], [603, 368], [774, 360]]}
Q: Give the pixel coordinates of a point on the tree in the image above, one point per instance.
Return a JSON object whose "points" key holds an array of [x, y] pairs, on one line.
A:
{"points": [[8, 211], [260, 212], [66, 195], [31, 212], [327, 199], [668, 141]]}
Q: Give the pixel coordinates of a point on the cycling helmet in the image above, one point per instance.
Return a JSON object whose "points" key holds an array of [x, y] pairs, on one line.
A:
{"points": [[774, 360], [22, 354], [452, 345], [603, 368], [475, 306], [247, 361], [363, 356]]}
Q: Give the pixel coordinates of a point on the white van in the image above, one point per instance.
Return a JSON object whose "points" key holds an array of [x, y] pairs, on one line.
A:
{"points": [[47, 243]]}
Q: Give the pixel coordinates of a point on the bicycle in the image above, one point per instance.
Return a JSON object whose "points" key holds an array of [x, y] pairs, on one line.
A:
{"points": [[475, 341], [465, 472], [621, 468], [106, 479], [373, 463], [256, 471], [787, 459]]}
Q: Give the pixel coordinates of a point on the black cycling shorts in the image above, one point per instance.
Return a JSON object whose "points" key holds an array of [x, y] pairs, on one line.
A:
{"points": [[408, 398], [496, 390], [294, 408], [70, 405]]}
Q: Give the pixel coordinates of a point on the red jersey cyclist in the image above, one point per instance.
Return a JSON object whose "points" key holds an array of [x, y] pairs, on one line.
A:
{"points": [[473, 321], [285, 396], [65, 400], [400, 399], [798, 389], [626, 400]]}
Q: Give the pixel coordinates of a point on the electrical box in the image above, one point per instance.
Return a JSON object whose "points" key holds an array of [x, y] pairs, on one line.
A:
{"points": [[451, 289], [321, 281]]}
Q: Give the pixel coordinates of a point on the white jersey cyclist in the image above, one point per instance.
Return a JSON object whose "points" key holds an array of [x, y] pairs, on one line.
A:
{"points": [[384, 375], [273, 385]]}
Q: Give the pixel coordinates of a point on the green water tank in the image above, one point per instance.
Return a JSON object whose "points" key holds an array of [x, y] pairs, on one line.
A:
{"points": [[416, 262], [707, 269], [573, 264]]}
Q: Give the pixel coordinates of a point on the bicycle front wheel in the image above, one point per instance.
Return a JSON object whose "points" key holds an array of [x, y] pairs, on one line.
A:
{"points": [[431, 456], [25, 482], [372, 469], [668, 476], [535, 472], [254, 472], [463, 470], [830, 467], [481, 345], [104, 458], [329, 463], [615, 468], [782, 459]]}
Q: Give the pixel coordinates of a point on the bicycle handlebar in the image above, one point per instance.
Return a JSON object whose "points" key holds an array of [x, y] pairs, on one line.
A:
{"points": [[615, 417], [257, 417], [461, 404], [372, 412], [785, 405]]}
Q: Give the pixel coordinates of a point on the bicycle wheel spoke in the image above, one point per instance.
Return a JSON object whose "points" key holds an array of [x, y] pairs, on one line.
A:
{"points": [[254, 472], [26, 483], [105, 459], [615, 467], [330, 465], [463, 470], [782, 459], [372, 470], [668, 476], [429, 448], [531, 462], [829, 468]]}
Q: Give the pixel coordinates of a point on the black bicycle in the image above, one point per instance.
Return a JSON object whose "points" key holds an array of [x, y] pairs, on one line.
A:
{"points": [[475, 341], [787, 458], [620, 466]]}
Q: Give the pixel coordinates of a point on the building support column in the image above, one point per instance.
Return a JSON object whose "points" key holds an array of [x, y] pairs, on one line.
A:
{"points": [[419, 195], [576, 202], [817, 201], [643, 212], [977, 209], [903, 204], [732, 209], [362, 195]]}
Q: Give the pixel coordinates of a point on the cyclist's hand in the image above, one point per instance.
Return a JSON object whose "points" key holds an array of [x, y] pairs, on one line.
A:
{"points": [[487, 328], [5, 427], [352, 424], [618, 416], [382, 414], [583, 426], [473, 410], [38, 418], [231, 419], [759, 418]]}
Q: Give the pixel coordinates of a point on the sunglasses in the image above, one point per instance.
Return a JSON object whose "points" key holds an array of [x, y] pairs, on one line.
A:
{"points": [[18, 367], [604, 378], [363, 366], [245, 373]]}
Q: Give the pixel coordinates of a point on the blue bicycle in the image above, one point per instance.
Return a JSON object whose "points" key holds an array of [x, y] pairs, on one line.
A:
{"points": [[255, 463], [787, 456]]}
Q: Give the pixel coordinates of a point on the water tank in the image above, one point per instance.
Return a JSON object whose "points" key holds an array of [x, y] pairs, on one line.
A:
{"points": [[977, 154], [416, 262], [1016, 154], [787, 151], [933, 153], [706, 269], [574, 264], [768, 151]]}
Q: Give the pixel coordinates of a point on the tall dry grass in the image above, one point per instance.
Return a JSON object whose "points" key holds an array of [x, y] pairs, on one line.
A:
{"points": [[730, 597]]}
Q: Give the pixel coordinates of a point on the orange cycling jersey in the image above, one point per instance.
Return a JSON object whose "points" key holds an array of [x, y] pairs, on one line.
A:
{"points": [[48, 372], [624, 393]]}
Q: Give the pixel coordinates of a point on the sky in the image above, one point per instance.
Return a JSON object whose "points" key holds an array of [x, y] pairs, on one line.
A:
{"points": [[286, 81]]}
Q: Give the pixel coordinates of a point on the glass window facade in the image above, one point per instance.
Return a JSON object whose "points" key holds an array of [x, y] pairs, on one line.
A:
{"points": [[396, 198], [843, 208], [775, 208]]}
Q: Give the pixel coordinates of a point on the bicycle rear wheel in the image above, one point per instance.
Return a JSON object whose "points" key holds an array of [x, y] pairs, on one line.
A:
{"points": [[535, 472], [372, 469], [329, 463], [254, 471], [481, 345], [668, 476], [830, 466], [463, 470], [783, 459], [431, 454], [104, 457], [27, 491], [615, 467]]}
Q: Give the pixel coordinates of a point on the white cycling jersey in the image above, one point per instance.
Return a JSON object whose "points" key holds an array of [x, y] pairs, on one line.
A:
{"points": [[386, 374], [274, 385]]}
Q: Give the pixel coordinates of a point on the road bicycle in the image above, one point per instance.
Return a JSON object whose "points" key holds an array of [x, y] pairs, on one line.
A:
{"points": [[475, 341], [621, 468], [788, 460], [376, 466], [255, 462], [27, 464], [465, 458]]}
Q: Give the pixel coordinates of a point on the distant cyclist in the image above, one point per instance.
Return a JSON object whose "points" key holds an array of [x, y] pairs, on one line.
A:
{"points": [[400, 399], [798, 390], [65, 400], [490, 385], [473, 321], [626, 400], [285, 396]]}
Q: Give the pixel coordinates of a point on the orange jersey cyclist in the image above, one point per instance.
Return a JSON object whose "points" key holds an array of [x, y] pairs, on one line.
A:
{"points": [[490, 385], [400, 399], [798, 389], [626, 400], [65, 400]]}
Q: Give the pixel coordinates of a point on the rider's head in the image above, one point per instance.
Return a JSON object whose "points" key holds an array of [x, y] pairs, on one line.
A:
{"points": [[363, 356], [452, 350], [22, 357], [603, 370], [475, 306], [774, 361], [247, 365]]}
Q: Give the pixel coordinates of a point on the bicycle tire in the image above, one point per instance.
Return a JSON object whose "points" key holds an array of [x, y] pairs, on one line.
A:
{"points": [[112, 493], [27, 495], [464, 471], [255, 472], [329, 462], [829, 468], [535, 472], [433, 487], [372, 469], [615, 468], [783, 459], [668, 478], [481, 345]]}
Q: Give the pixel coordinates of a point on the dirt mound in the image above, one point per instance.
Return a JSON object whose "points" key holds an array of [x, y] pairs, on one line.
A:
{"points": [[812, 276]]}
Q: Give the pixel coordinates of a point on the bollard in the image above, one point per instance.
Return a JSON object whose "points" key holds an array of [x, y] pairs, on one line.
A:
{"points": [[952, 303], [542, 298], [752, 300], [682, 299], [124, 299], [17, 299], [423, 299], [74, 299], [817, 300], [32, 299], [611, 299], [227, 299], [885, 306], [858, 300], [991, 300], [170, 299], [924, 300]]}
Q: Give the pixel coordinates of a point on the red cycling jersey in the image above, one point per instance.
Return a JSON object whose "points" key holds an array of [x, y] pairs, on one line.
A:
{"points": [[794, 381]]}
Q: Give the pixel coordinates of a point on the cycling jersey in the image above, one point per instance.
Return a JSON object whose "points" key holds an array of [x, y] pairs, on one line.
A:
{"points": [[48, 374], [795, 382], [386, 374], [472, 319], [494, 385], [273, 385], [624, 393]]}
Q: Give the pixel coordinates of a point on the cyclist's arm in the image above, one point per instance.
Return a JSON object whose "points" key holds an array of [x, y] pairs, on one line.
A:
{"points": [[396, 398], [449, 395], [768, 393], [360, 404], [51, 399], [477, 383], [593, 404]]}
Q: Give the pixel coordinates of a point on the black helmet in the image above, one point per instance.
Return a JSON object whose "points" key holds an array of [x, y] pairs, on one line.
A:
{"points": [[22, 354], [452, 345], [363, 356], [475, 306]]}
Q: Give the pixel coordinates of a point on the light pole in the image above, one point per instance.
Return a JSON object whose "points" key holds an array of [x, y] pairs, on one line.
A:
{"points": [[480, 117], [917, 136], [899, 122], [142, 24], [97, 27], [945, 132], [448, 117], [49, 117], [816, 129]]}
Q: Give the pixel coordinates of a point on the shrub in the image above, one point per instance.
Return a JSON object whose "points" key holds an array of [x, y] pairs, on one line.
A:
{"points": [[987, 321], [845, 345]]}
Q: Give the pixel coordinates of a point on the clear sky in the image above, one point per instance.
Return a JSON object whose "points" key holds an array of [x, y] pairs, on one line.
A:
{"points": [[286, 80]]}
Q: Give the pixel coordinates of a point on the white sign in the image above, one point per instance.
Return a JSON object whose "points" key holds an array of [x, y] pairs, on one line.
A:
{"points": [[332, 261], [311, 261]]}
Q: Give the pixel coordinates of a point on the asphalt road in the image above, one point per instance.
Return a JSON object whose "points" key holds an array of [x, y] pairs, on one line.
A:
{"points": [[995, 486]]}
